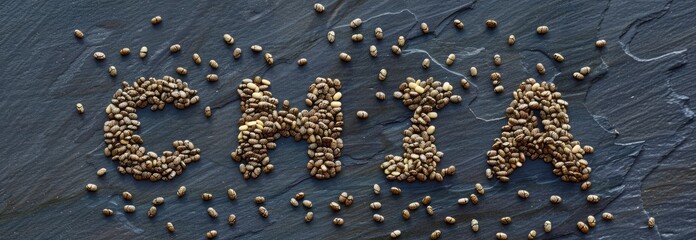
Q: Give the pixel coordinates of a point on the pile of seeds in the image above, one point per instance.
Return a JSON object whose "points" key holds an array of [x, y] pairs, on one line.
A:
{"points": [[420, 157], [124, 145], [521, 138], [260, 125]]}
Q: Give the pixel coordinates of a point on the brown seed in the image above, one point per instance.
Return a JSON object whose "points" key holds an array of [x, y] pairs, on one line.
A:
{"points": [[532, 234], [170, 227], [463, 201], [592, 198], [318, 8], [591, 221], [256, 48], [107, 212], [405, 214], [344, 57], [152, 212], [156, 20], [511, 40], [379, 34], [101, 172], [99, 55], [426, 63], [181, 192], [473, 198], [197, 58], [490, 23], [237, 53], [495, 76], [375, 205], [450, 59], [578, 76], [547, 226], [501, 236], [124, 51], [380, 95], [338, 221], [331, 36], [231, 194], [334, 206], [378, 218], [299, 195], [349, 201], [382, 74], [588, 149], [542, 30], [558, 57], [651, 222], [112, 71], [458, 23], [555, 199], [607, 216], [362, 114], [259, 200], [228, 39], [540, 68], [474, 225], [307, 203], [91, 187], [464, 83], [127, 196], [497, 60], [413, 206], [401, 41], [473, 71], [479, 188], [212, 77], [430, 210], [232, 219], [269, 58], [213, 64], [181, 71], [450, 220], [129, 208], [436, 234], [206, 196], [143, 52], [426, 200], [395, 234], [583, 227], [158, 201], [505, 220], [523, 194], [424, 27], [302, 61], [600, 43], [395, 190], [175, 48], [212, 213], [357, 37], [309, 216], [211, 234], [78, 34], [499, 89], [263, 212], [396, 50], [355, 23]]}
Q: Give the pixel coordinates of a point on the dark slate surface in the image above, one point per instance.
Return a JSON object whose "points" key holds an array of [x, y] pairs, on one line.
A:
{"points": [[633, 108]]}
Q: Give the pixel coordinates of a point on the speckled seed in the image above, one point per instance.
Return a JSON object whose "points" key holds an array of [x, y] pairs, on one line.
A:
{"points": [[458, 23], [505, 220], [497, 60], [540, 68], [107, 212], [378, 218], [479, 188], [344, 57], [465, 83], [175, 48], [127, 196], [181, 192], [318, 7], [651, 222], [232, 219], [473, 198], [294, 202], [463, 201], [78, 34], [256, 48], [99, 55], [424, 27], [555, 199], [307, 203], [523, 194], [237, 53], [331, 36], [401, 41], [473, 71], [349, 201], [547, 226], [413, 206], [373, 51], [405, 214], [450, 59], [129, 208], [395, 190], [585, 70], [158, 201], [152, 212], [263, 212], [592, 198], [259, 200], [208, 113], [355, 23], [228, 39], [395, 234], [212, 213], [583, 227], [231, 194], [124, 51], [308, 216], [197, 58], [143, 52], [489, 173], [588, 149], [426, 200], [376, 205], [600, 43], [396, 50], [212, 77], [532, 234], [380, 95], [501, 236], [206, 196], [430, 210], [607, 216], [362, 114], [474, 225], [450, 220], [511, 40], [299, 195], [379, 34], [334, 206], [181, 71], [499, 89], [382, 74], [101, 172], [426, 63], [490, 23], [269, 58], [436, 234], [495, 76], [91, 187], [338, 221], [170, 227], [211, 234], [213, 64], [302, 61], [558, 57], [376, 189], [357, 37], [591, 221], [578, 76], [156, 20], [542, 30]]}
